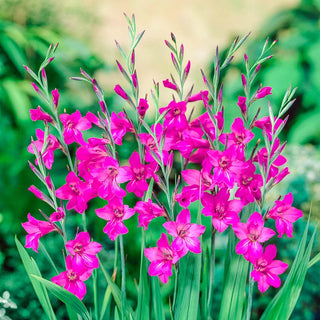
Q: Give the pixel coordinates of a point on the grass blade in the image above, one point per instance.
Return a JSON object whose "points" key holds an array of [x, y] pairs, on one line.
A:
{"points": [[33, 270], [66, 297]]}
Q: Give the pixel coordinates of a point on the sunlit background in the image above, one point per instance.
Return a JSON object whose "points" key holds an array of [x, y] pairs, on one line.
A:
{"points": [[87, 30]]}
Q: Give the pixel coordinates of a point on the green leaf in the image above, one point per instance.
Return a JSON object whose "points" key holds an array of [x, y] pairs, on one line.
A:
{"points": [[17, 98], [157, 299], [74, 303], [15, 54], [187, 302], [234, 284], [143, 310], [283, 304], [33, 270], [115, 290], [105, 302]]}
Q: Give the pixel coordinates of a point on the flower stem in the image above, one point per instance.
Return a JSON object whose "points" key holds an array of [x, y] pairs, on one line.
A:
{"points": [[250, 293], [123, 279]]}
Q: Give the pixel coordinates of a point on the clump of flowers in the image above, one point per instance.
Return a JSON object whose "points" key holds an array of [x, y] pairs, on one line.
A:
{"points": [[186, 159]]}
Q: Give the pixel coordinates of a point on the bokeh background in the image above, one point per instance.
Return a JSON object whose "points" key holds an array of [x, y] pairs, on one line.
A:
{"points": [[86, 31]]}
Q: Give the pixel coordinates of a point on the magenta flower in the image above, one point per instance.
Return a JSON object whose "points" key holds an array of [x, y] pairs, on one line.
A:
{"points": [[266, 270], [73, 125], [204, 123], [77, 192], [262, 92], [240, 136], [249, 185], [251, 234], [168, 84], [186, 234], [175, 118], [57, 215], [265, 125], [120, 92], [262, 158], [108, 176], [284, 215], [36, 229], [39, 114], [202, 95], [51, 145], [226, 166], [242, 104], [115, 212], [91, 155], [119, 126], [72, 279], [162, 258], [55, 97], [222, 211], [142, 107], [136, 174], [198, 182], [83, 251], [147, 211]]}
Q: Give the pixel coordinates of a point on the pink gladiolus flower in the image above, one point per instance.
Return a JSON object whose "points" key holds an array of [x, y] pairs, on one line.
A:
{"points": [[251, 234], [142, 107], [261, 93], [202, 95], [220, 120], [280, 160], [83, 251], [73, 125], [39, 114], [242, 104], [186, 234], [284, 215], [147, 211], [222, 211], [265, 125], [162, 258], [134, 80], [57, 215], [51, 145], [249, 185], [115, 212], [119, 91], [150, 144], [168, 84], [55, 97], [204, 123], [36, 229], [266, 270], [91, 155], [77, 192], [72, 279], [226, 166], [107, 176], [175, 119], [136, 174], [239, 136], [119, 126]]}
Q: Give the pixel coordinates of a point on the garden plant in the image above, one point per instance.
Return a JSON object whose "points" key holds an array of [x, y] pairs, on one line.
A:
{"points": [[191, 181]]}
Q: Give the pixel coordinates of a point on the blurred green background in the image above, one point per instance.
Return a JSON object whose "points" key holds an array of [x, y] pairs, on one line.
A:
{"points": [[26, 30]]}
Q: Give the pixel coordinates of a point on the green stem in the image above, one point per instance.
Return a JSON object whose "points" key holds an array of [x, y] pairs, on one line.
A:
{"points": [[123, 279], [250, 294], [212, 269], [175, 286], [95, 294]]}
